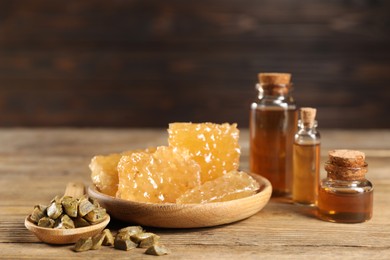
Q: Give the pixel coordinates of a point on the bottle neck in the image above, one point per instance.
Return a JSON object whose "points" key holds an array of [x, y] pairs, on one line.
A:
{"points": [[307, 135], [274, 90], [307, 127]]}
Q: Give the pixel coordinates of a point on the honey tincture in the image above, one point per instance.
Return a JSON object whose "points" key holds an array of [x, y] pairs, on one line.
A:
{"points": [[306, 159], [273, 123], [345, 196]]}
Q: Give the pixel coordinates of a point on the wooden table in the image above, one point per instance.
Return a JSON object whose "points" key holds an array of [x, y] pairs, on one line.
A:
{"points": [[36, 164]]}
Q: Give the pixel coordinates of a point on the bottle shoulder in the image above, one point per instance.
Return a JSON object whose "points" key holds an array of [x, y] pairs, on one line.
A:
{"points": [[307, 137], [346, 186], [273, 105], [276, 99]]}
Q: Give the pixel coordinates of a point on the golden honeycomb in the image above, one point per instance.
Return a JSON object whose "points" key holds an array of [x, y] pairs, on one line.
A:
{"points": [[104, 173], [157, 177], [230, 186], [214, 146], [199, 165]]}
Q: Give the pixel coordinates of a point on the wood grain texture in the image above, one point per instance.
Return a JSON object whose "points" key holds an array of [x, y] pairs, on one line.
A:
{"points": [[74, 189], [36, 164], [147, 63]]}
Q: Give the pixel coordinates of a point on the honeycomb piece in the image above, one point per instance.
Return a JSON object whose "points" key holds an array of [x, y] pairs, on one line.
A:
{"points": [[104, 173], [233, 185], [214, 146], [157, 177]]}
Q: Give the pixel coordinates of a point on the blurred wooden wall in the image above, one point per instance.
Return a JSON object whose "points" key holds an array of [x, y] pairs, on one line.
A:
{"points": [[147, 63]]}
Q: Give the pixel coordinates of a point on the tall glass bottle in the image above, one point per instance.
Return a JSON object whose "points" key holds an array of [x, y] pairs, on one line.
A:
{"points": [[273, 123], [306, 159]]}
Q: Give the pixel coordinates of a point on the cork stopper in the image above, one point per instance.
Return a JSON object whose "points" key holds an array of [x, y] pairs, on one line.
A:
{"points": [[346, 173], [308, 116], [347, 158], [346, 165], [274, 78]]}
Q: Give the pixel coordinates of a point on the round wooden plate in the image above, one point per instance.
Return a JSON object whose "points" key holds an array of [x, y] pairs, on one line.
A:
{"points": [[170, 215]]}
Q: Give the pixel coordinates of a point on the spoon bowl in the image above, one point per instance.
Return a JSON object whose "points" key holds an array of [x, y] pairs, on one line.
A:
{"points": [[66, 236], [171, 215]]}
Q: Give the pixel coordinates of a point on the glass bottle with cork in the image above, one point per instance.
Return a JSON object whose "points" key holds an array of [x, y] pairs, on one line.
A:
{"points": [[345, 196], [306, 159], [273, 123]]}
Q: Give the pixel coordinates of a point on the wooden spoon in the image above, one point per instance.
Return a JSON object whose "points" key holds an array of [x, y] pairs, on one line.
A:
{"points": [[170, 215], [66, 236]]}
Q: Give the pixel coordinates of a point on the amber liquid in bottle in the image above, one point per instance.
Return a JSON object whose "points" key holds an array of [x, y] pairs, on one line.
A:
{"points": [[306, 163], [271, 142], [336, 206]]}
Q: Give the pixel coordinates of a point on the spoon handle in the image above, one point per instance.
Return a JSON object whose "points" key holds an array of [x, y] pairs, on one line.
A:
{"points": [[75, 189]]}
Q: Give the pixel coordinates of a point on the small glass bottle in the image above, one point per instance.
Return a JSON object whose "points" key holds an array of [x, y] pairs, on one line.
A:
{"points": [[345, 196], [273, 123], [306, 159]]}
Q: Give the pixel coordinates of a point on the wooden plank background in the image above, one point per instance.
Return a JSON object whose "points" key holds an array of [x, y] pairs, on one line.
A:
{"points": [[147, 63]]}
